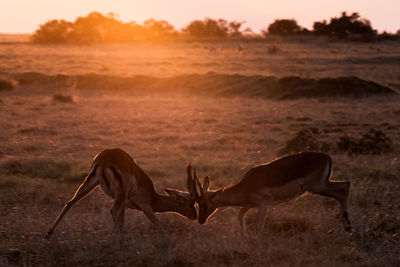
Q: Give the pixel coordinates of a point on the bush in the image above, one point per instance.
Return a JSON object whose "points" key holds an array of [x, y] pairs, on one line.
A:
{"points": [[63, 98], [284, 27], [305, 140], [210, 28], [5, 85], [96, 27], [273, 49], [373, 142], [345, 26]]}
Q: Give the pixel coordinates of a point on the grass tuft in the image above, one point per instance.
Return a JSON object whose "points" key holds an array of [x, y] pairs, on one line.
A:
{"points": [[373, 142], [42, 168], [305, 140], [63, 98], [5, 85]]}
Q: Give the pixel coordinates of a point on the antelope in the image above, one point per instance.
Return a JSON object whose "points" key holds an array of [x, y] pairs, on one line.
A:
{"points": [[119, 176], [277, 181]]}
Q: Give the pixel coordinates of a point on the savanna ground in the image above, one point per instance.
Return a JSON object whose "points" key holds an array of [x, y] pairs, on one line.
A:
{"points": [[47, 144]]}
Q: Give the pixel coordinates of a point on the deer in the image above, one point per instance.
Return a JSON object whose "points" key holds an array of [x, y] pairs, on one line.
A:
{"points": [[274, 182], [118, 176]]}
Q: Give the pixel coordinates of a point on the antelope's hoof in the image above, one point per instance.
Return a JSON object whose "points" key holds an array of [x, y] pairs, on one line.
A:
{"points": [[49, 234]]}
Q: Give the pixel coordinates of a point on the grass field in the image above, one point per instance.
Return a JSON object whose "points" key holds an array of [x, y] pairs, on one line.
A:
{"points": [[47, 145]]}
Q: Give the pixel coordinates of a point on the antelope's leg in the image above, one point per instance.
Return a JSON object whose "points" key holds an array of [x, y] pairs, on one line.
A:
{"points": [[340, 192], [118, 214], [85, 188], [148, 211], [242, 219], [262, 213]]}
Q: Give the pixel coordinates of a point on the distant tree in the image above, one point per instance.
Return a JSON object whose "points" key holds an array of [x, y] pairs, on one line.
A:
{"points": [[96, 27], [207, 28], [284, 27], [158, 30], [234, 28], [53, 31], [93, 27], [385, 36], [345, 26]]}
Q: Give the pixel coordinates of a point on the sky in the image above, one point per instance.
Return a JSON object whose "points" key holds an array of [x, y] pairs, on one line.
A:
{"points": [[25, 16]]}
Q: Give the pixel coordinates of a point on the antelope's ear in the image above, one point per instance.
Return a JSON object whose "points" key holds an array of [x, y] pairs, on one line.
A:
{"points": [[206, 183]]}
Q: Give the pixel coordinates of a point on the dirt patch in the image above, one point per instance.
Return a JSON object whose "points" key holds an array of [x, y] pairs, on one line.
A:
{"points": [[286, 88], [353, 87]]}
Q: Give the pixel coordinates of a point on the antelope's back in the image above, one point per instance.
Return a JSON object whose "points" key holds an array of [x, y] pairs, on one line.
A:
{"points": [[285, 170], [124, 168]]}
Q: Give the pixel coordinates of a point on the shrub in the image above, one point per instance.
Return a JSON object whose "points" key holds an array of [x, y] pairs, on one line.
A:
{"points": [[305, 140], [345, 26], [209, 28], [63, 98], [97, 27], [284, 27], [273, 49], [5, 85], [373, 142], [53, 31]]}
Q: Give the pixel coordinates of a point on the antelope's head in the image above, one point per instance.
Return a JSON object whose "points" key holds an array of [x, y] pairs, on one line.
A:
{"points": [[185, 201], [205, 198]]}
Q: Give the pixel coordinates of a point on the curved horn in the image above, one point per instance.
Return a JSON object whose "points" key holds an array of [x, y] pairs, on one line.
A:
{"points": [[198, 183], [190, 180]]}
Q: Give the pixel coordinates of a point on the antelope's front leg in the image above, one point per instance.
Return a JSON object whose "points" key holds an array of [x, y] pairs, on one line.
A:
{"points": [[148, 211], [242, 219], [262, 213]]}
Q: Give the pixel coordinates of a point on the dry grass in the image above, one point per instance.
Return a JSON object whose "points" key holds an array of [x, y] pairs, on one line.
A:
{"points": [[46, 147]]}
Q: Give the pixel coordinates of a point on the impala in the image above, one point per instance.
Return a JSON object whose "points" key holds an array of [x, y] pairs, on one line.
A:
{"points": [[118, 175], [277, 181]]}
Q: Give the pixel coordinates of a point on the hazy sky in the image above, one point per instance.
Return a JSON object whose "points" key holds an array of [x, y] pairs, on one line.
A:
{"points": [[24, 16]]}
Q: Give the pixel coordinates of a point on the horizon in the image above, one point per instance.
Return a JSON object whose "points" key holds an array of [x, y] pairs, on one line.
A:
{"points": [[257, 14]]}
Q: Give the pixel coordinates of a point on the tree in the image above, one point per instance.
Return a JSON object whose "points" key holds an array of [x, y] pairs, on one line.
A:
{"points": [[158, 30], [344, 26], [284, 27], [209, 28], [234, 28], [53, 31]]}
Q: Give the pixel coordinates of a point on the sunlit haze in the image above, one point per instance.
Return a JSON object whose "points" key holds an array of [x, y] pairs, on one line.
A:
{"points": [[24, 16]]}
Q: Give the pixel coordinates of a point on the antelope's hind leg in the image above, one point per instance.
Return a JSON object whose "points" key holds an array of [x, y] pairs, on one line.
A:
{"points": [[85, 188], [343, 198], [340, 192]]}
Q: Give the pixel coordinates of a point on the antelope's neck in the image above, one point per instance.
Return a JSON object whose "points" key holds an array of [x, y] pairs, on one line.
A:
{"points": [[231, 196], [163, 203]]}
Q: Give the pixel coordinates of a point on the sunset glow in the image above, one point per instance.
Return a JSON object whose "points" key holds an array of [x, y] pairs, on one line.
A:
{"points": [[23, 16]]}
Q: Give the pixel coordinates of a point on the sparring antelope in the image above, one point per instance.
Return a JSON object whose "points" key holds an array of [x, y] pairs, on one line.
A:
{"points": [[118, 176], [277, 181]]}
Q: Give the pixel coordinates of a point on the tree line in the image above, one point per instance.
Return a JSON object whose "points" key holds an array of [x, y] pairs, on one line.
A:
{"points": [[99, 28]]}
